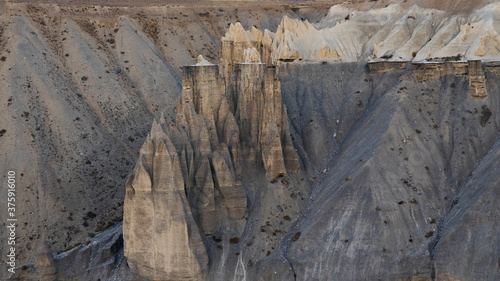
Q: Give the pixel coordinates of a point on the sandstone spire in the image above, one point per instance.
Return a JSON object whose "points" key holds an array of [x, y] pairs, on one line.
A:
{"points": [[252, 55], [156, 207], [186, 182]]}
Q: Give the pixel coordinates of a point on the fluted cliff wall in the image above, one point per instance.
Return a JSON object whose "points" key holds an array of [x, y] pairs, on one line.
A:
{"points": [[162, 240], [80, 86], [263, 120], [199, 160], [400, 163]]}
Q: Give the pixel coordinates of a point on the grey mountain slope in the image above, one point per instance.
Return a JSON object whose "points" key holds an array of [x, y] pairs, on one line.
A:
{"points": [[390, 181], [471, 228], [43, 148], [82, 136]]}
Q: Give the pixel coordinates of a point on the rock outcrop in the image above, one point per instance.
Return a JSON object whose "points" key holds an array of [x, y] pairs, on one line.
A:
{"points": [[202, 61], [477, 80], [162, 240], [393, 33], [252, 55], [264, 132], [187, 179], [233, 46], [209, 135], [402, 163]]}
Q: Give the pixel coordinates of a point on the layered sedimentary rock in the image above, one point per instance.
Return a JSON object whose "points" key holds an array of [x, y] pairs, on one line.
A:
{"points": [[247, 60], [429, 71], [477, 80], [392, 33], [262, 118], [250, 117], [409, 200], [473, 70], [185, 168], [389, 174], [234, 44], [162, 240], [211, 136], [252, 55]]}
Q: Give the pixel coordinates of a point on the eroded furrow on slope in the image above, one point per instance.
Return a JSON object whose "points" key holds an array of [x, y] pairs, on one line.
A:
{"points": [[409, 196]]}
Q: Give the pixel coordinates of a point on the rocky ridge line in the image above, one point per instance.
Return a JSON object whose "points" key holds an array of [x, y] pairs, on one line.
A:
{"points": [[392, 33]]}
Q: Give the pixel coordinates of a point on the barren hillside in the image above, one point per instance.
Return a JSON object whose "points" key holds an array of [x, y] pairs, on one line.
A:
{"points": [[354, 142]]}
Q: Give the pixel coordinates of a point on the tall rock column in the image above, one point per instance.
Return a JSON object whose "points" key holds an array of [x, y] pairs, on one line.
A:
{"points": [[203, 111], [233, 46], [477, 80], [255, 96], [161, 238], [186, 182], [262, 119]]}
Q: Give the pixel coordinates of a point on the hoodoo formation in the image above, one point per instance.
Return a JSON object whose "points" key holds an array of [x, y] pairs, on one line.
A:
{"points": [[252, 140], [188, 176]]}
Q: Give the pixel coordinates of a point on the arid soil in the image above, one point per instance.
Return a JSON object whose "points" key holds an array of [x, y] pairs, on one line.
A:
{"points": [[398, 174]]}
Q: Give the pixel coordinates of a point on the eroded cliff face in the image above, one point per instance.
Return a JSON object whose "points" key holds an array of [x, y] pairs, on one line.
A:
{"points": [[161, 238], [80, 86], [259, 168], [387, 183], [396, 32], [217, 135]]}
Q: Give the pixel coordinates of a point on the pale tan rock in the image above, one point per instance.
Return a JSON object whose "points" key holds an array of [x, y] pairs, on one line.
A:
{"points": [[233, 46], [326, 52], [479, 52], [255, 34], [198, 110], [203, 198], [207, 89], [272, 154], [202, 155], [252, 55], [211, 124], [398, 34], [227, 126], [376, 52], [229, 132], [156, 207], [186, 159], [236, 33], [268, 38], [232, 192], [250, 101], [287, 50], [202, 61], [477, 80], [267, 47], [44, 264], [260, 116], [294, 26]]}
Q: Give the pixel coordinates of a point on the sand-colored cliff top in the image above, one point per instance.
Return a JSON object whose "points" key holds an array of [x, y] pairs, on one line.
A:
{"points": [[397, 32]]}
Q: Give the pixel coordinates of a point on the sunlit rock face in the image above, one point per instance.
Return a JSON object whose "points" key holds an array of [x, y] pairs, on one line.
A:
{"points": [[162, 240], [392, 33], [187, 181], [359, 142], [232, 127]]}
